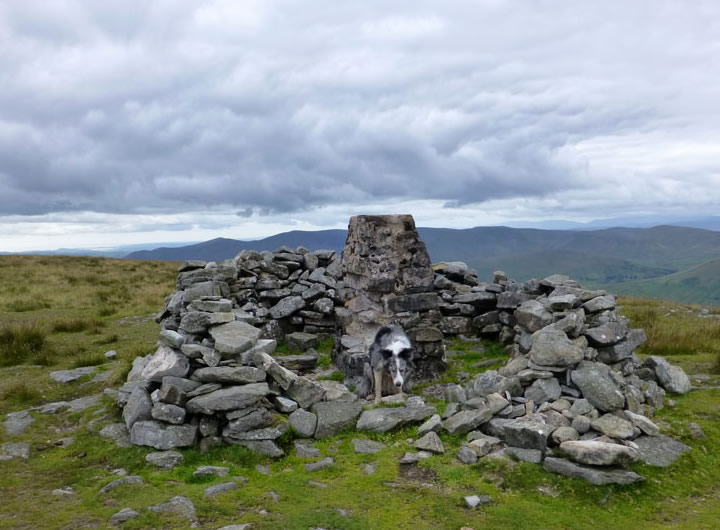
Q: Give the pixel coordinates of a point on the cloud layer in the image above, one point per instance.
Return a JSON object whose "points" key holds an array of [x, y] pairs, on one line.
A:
{"points": [[283, 107]]}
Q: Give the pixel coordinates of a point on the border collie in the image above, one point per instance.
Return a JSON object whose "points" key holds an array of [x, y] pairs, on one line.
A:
{"points": [[390, 366]]}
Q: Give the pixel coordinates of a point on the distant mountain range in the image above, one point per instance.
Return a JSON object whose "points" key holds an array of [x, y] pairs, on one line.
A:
{"points": [[664, 261]]}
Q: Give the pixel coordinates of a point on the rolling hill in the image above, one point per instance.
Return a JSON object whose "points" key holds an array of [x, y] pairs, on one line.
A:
{"points": [[696, 285], [631, 259]]}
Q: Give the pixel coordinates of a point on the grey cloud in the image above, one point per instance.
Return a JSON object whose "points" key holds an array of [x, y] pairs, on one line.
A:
{"points": [[271, 107]]}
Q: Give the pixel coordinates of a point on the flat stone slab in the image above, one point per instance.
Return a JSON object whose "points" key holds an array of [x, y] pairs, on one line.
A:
{"points": [[68, 376], [598, 453], [130, 480], [165, 459], [320, 464], [229, 398], [211, 471], [335, 416], [162, 436], [385, 420], [17, 422], [363, 446], [595, 475], [214, 491], [20, 450], [179, 505], [234, 337], [118, 433], [231, 375], [660, 451]]}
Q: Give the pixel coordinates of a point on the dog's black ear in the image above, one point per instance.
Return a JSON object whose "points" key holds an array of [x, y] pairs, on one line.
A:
{"points": [[407, 354]]}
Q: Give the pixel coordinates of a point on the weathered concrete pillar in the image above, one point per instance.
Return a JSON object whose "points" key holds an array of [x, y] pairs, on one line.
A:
{"points": [[388, 278]]}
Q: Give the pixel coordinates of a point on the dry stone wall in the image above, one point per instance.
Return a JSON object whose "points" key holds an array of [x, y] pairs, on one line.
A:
{"points": [[572, 394]]}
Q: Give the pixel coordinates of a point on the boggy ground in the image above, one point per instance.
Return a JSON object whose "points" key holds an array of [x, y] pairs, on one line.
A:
{"points": [[58, 313]]}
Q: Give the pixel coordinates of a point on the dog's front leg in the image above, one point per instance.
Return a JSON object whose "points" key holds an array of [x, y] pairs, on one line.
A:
{"points": [[378, 376]]}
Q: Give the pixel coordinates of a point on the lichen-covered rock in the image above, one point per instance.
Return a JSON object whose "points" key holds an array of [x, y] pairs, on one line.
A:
{"points": [[166, 361], [598, 453], [596, 385]]}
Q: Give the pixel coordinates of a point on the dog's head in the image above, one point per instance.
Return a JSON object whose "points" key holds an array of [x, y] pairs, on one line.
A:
{"points": [[397, 352]]}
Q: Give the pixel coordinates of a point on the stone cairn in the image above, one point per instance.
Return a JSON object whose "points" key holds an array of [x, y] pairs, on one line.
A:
{"points": [[572, 395]]}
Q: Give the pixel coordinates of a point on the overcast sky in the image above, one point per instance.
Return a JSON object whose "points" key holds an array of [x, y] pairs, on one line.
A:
{"points": [[178, 120]]}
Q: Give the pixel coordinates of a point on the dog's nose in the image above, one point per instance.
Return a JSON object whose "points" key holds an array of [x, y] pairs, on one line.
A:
{"points": [[398, 384]]}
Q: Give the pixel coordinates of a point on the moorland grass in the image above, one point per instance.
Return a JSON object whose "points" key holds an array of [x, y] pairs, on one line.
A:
{"points": [[20, 342], [687, 495], [674, 329]]}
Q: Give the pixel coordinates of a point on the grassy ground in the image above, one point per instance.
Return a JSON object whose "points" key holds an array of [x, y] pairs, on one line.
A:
{"points": [[83, 307]]}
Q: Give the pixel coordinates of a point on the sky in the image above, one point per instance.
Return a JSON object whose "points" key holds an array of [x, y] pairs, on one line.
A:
{"points": [[178, 120]]}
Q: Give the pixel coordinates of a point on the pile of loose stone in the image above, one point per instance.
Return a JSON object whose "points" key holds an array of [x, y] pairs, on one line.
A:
{"points": [[572, 395], [573, 389]]}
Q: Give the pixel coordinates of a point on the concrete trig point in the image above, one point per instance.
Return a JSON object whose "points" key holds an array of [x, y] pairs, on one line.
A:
{"points": [[388, 278]]}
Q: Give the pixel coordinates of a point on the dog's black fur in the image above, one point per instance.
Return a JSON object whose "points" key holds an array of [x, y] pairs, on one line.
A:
{"points": [[391, 364]]}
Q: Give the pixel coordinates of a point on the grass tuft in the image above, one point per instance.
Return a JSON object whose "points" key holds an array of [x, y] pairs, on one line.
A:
{"points": [[77, 325], [88, 359], [24, 305], [21, 394], [18, 342]]}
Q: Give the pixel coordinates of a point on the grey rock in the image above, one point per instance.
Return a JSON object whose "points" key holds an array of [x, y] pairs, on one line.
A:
{"points": [[129, 480], [234, 337], [214, 491], [299, 341], [118, 433], [138, 408], [165, 361], [432, 425], [430, 442], [607, 334], [623, 349], [581, 406], [473, 501], [414, 458], [597, 386], [450, 410], [255, 419], [597, 453], [111, 355], [230, 375], [178, 505], [17, 422], [68, 376], [581, 424], [467, 420], [203, 389], [138, 365], [304, 450], [599, 303], [595, 475], [263, 447], [335, 417], [305, 392], [336, 391], [532, 315], [307, 361], [161, 436], [363, 446], [265, 433], [564, 434], [123, 516], [527, 433], [20, 450], [543, 390], [642, 423], [172, 338], [165, 459], [455, 394], [466, 455], [197, 322], [613, 426], [320, 464], [168, 413], [492, 382], [672, 378], [229, 398], [696, 431], [385, 420], [284, 405], [211, 471], [552, 347], [83, 403], [534, 456], [303, 423], [286, 307], [660, 451]]}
